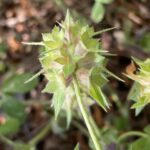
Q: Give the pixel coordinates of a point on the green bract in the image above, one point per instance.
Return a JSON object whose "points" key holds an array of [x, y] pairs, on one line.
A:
{"points": [[70, 53], [140, 91]]}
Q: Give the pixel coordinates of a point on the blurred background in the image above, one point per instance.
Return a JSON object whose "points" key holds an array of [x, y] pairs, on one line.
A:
{"points": [[25, 111]]}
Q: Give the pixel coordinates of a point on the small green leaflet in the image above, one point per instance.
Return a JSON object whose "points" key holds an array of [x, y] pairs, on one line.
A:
{"points": [[142, 101], [98, 12], [68, 69], [88, 42], [98, 77], [98, 96], [47, 36], [134, 91], [69, 96], [57, 87]]}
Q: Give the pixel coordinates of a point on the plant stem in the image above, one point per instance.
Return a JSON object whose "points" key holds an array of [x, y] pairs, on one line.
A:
{"points": [[95, 127], [32, 102], [7, 141], [41, 134], [132, 133], [85, 116]]}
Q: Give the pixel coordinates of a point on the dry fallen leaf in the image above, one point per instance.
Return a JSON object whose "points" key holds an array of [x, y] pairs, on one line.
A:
{"points": [[131, 69], [13, 44]]}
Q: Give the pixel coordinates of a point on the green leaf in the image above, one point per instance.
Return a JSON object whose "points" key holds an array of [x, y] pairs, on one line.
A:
{"points": [[77, 147], [14, 108], [50, 87], [141, 144], [16, 83], [134, 92], [61, 60], [141, 102], [98, 12], [57, 87], [120, 123], [97, 77], [110, 135], [47, 36], [144, 65], [88, 42], [68, 69], [83, 76], [140, 91], [58, 100], [76, 30], [147, 129], [87, 61], [52, 44], [104, 1], [57, 34], [144, 42], [138, 110], [69, 99], [11, 126], [53, 83], [48, 59], [98, 96]]}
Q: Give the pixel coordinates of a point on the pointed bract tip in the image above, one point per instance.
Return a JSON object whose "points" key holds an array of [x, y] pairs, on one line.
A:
{"points": [[32, 43], [68, 18]]}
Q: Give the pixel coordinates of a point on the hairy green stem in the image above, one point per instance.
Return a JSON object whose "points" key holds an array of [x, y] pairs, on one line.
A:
{"points": [[132, 133], [85, 116]]}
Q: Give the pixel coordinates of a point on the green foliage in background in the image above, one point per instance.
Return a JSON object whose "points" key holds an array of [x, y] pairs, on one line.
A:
{"points": [[142, 143], [144, 42], [98, 10], [12, 108], [2, 57]]}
